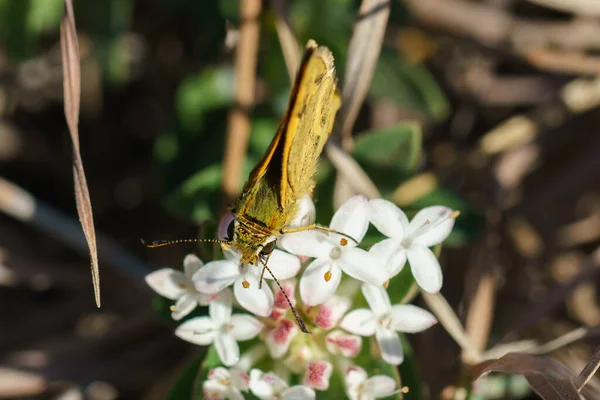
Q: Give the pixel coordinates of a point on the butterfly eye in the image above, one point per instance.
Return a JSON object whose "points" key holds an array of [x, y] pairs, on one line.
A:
{"points": [[268, 248], [227, 227]]}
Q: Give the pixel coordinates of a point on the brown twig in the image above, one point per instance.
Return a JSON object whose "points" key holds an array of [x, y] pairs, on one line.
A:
{"points": [[238, 127], [72, 98]]}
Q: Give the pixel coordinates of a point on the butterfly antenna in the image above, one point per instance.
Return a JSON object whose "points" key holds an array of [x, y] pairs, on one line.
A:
{"points": [[299, 320], [161, 243]]}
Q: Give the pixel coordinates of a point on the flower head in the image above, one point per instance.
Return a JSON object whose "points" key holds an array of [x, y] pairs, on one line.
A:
{"points": [[177, 285], [384, 321], [335, 253], [248, 291], [223, 384], [360, 387], [430, 226], [267, 386], [221, 328]]}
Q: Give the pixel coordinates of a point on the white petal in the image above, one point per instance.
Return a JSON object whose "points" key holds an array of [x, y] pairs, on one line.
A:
{"points": [[411, 319], [314, 289], [377, 297], [298, 392], [227, 349], [390, 254], [388, 218], [305, 215], [362, 266], [167, 282], [239, 379], [332, 311], [213, 389], [191, 264], [380, 386], [220, 308], [257, 301], [318, 374], [258, 386], [245, 327], [360, 322], [200, 330], [352, 218], [216, 275], [310, 243], [425, 268], [353, 378], [283, 265], [278, 340], [431, 225], [340, 343], [389, 345], [184, 305]]}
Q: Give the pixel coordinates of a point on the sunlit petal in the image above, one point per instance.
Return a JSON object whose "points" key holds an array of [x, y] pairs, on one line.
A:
{"points": [[411, 319], [227, 349], [167, 282], [361, 322], [352, 218], [377, 297], [425, 268], [215, 276], [361, 265], [389, 346], [431, 225], [388, 218], [200, 330], [257, 300], [314, 288]]}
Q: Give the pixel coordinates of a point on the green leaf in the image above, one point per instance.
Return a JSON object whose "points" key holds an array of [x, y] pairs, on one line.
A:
{"points": [[411, 85], [184, 387], [409, 372], [396, 148], [44, 15], [210, 89]]}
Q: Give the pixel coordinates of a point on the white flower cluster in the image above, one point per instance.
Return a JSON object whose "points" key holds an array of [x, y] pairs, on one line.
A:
{"points": [[336, 329]]}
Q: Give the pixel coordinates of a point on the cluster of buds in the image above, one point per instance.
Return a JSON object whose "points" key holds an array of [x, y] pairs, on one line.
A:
{"points": [[320, 296]]}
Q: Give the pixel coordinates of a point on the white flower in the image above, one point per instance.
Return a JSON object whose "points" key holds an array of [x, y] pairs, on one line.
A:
{"points": [[177, 285], [279, 338], [360, 387], [335, 253], [384, 321], [340, 343], [225, 384], [221, 328], [318, 374], [267, 386], [305, 214], [217, 275], [430, 226]]}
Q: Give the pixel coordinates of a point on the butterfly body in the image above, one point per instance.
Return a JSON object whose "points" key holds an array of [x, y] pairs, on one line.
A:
{"points": [[285, 174]]}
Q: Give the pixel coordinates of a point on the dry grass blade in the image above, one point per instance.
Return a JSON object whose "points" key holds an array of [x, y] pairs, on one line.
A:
{"points": [[548, 378], [238, 129], [449, 320], [363, 54], [72, 97], [292, 53], [349, 169], [588, 371]]}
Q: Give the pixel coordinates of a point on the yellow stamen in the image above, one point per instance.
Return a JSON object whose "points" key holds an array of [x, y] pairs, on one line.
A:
{"points": [[405, 389], [246, 284], [327, 276], [343, 242], [172, 308], [454, 214], [386, 284]]}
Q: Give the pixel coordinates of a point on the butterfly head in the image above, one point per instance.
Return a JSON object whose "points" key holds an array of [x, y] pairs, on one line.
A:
{"points": [[252, 245]]}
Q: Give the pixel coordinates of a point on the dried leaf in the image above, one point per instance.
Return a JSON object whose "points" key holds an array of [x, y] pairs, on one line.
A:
{"points": [[548, 378], [292, 52], [588, 371], [72, 97], [363, 53]]}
